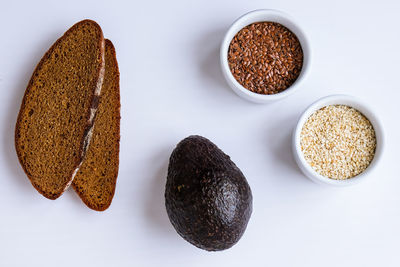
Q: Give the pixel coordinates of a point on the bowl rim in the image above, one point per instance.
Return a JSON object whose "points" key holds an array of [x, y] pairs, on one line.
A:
{"points": [[247, 19], [338, 99]]}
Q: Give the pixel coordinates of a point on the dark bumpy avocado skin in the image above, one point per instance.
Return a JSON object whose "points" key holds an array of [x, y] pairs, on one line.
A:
{"points": [[207, 197]]}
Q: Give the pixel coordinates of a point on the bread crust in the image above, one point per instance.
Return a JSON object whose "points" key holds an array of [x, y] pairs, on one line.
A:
{"points": [[85, 199], [99, 78]]}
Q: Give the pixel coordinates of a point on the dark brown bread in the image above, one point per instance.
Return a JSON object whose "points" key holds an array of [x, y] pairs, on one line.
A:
{"points": [[57, 111], [96, 179]]}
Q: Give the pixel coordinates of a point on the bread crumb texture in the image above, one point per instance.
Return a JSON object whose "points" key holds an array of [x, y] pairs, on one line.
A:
{"points": [[53, 118], [96, 178]]}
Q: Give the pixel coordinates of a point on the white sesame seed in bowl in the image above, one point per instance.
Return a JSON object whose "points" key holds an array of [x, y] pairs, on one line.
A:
{"points": [[338, 141]]}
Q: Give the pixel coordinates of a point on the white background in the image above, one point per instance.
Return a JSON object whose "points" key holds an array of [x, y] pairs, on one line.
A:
{"points": [[171, 87]]}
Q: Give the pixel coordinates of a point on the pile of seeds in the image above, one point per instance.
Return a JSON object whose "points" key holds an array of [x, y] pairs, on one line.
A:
{"points": [[265, 57], [338, 142]]}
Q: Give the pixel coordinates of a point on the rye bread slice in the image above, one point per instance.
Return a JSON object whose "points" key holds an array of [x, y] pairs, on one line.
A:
{"points": [[96, 178], [53, 127]]}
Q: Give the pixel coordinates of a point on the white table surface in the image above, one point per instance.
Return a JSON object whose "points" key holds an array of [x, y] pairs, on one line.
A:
{"points": [[171, 87]]}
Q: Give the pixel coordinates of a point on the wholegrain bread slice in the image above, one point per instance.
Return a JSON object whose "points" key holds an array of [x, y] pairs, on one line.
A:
{"points": [[96, 179], [57, 112]]}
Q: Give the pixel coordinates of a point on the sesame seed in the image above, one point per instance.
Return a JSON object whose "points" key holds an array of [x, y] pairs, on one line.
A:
{"points": [[338, 142]]}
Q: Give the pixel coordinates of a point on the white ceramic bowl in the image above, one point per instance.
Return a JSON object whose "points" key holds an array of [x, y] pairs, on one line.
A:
{"points": [[337, 100], [260, 16]]}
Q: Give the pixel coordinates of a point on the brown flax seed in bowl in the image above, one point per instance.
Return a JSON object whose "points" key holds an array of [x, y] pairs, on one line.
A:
{"points": [[265, 57], [338, 142]]}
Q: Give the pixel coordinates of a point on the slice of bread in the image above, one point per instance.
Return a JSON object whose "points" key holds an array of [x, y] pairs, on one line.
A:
{"points": [[96, 179], [56, 116]]}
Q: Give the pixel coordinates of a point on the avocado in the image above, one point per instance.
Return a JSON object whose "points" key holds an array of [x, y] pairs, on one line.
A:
{"points": [[208, 199]]}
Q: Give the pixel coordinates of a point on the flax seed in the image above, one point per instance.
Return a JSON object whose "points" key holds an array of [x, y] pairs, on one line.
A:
{"points": [[270, 48]]}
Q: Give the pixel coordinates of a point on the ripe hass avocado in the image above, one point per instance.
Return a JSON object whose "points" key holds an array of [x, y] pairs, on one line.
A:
{"points": [[208, 199]]}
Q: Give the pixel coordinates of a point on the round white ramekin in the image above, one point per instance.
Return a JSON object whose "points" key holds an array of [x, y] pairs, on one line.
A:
{"points": [[337, 100], [263, 15]]}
